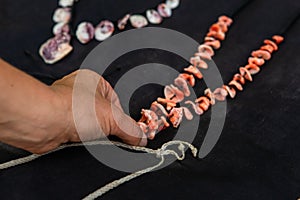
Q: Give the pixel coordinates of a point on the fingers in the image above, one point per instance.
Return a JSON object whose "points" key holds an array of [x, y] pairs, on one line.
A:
{"points": [[121, 125], [108, 92], [126, 128], [111, 118]]}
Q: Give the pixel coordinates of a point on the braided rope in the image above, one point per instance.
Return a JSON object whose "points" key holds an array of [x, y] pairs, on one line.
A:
{"points": [[160, 153]]}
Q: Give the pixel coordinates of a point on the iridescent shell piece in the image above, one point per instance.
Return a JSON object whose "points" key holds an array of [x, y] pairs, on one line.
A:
{"points": [[55, 48], [123, 22], [66, 3], [62, 15], [138, 21], [85, 32], [60, 28], [153, 16], [164, 10], [104, 30], [172, 3]]}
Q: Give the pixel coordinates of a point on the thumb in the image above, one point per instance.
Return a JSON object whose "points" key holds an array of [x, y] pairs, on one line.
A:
{"points": [[125, 128]]}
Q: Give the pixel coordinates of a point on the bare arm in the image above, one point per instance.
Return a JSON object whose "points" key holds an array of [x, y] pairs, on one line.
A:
{"points": [[38, 118]]}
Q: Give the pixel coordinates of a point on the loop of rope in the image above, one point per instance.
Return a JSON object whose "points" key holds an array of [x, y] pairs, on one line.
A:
{"points": [[160, 153]]}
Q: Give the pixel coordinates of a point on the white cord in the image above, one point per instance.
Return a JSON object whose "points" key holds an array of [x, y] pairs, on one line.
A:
{"points": [[160, 153]]}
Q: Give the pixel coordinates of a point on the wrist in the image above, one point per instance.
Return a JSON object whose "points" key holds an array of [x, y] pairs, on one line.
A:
{"points": [[63, 115]]}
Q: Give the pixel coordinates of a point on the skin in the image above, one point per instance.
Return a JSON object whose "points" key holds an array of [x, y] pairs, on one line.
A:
{"points": [[39, 118]]}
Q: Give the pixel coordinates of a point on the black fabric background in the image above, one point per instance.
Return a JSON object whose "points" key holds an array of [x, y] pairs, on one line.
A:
{"points": [[258, 154]]}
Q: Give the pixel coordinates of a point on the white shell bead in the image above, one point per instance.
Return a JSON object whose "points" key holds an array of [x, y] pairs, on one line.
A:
{"points": [[138, 21], [104, 30], [172, 3], [153, 16], [60, 27], [85, 32], [164, 10], [62, 15], [66, 3]]}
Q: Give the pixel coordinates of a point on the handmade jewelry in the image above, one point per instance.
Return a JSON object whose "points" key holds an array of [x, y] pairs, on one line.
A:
{"points": [[56, 48], [156, 117]]}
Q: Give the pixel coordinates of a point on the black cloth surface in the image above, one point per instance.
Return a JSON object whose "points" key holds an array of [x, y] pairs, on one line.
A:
{"points": [[257, 155]]}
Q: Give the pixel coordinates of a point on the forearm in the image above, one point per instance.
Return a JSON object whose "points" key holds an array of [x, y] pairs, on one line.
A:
{"points": [[29, 111]]}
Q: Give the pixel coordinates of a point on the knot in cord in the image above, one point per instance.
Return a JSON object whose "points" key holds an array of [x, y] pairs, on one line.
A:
{"points": [[160, 153]]}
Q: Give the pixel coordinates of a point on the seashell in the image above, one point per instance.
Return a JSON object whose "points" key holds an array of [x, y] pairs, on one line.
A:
{"points": [[195, 71], [162, 124], [273, 44], [172, 3], [210, 95], [153, 125], [215, 28], [197, 62], [104, 30], [179, 95], [138, 21], [62, 15], [220, 94], [150, 118], [182, 84], [231, 91], [85, 32], [267, 48], [60, 28], [216, 44], [189, 78], [203, 102], [153, 16], [187, 113], [209, 39], [147, 116], [278, 39], [204, 56], [55, 48], [203, 65], [66, 3], [175, 116], [123, 22], [236, 84], [169, 92], [252, 68], [228, 21], [223, 26], [196, 108], [256, 61], [164, 120], [218, 35], [245, 73], [239, 78], [205, 49], [261, 54], [164, 10], [170, 103], [158, 109]]}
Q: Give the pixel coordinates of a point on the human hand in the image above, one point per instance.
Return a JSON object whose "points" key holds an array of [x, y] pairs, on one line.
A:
{"points": [[110, 116], [39, 118]]}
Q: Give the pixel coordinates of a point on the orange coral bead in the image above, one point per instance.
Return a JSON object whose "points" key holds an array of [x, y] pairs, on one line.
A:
{"points": [[278, 39]]}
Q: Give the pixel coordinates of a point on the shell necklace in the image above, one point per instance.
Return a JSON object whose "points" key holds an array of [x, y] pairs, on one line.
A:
{"points": [[151, 125], [59, 46]]}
